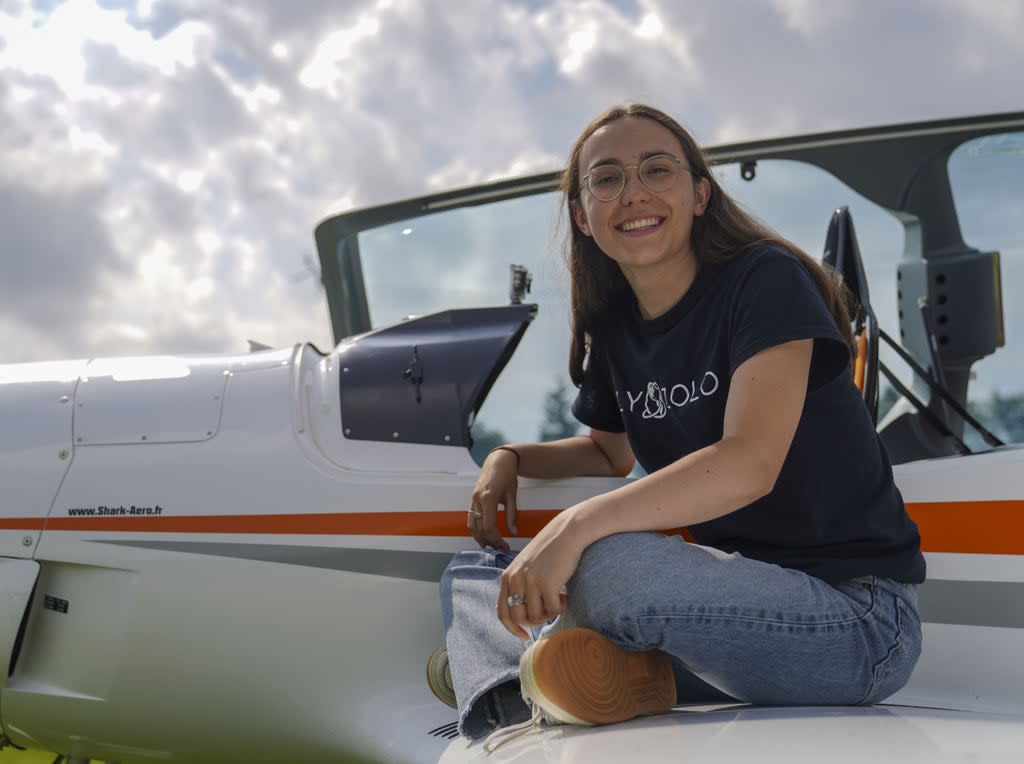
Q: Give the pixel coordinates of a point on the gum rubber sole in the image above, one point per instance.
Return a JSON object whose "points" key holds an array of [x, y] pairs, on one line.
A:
{"points": [[577, 676]]}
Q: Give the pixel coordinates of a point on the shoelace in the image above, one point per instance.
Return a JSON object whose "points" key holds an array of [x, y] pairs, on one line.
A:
{"points": [[504, 735]]}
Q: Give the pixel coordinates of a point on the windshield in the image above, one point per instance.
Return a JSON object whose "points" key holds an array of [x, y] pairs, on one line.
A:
{"points": [[987, 178], [460, 257]]}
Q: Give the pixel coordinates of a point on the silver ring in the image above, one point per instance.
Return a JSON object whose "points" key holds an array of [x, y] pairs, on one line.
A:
{"points": [[515, 599], [476, 515]]}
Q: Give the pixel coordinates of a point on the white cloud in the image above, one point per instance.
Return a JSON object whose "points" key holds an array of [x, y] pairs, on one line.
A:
{"points": [[579, 46], [528, 163], [594, 39], [90, 142], [55, 48], [986, 33], [189, 181], [650, 27], [814, 17], [325, 69]]}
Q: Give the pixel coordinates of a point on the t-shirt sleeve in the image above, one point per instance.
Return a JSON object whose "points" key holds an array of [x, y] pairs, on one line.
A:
{"points": [[595, 405], [778, 301]]}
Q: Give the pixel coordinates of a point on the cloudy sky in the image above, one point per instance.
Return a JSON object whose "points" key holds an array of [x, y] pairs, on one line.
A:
{"points": [[164, 162]]}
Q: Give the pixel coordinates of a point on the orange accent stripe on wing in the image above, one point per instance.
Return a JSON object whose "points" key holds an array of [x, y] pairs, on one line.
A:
{"points": [[965, 527]]}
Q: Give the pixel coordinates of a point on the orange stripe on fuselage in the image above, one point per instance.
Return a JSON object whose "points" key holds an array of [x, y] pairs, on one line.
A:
{"points": [[427, 523], [965, 527], [970, 527]]}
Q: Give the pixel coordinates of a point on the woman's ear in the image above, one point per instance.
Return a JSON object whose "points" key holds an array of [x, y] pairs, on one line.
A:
{"points": [[702, 193], [580, 217]]}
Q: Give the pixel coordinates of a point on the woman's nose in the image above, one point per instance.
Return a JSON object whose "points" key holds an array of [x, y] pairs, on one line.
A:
{"points": [[633, 187]]}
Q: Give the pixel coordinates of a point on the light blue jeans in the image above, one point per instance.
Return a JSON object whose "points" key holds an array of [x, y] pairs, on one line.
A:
{"points": [[737, 629]]}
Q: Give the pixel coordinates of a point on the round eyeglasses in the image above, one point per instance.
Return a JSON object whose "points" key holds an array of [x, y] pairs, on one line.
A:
{"points": [[658, 173]]}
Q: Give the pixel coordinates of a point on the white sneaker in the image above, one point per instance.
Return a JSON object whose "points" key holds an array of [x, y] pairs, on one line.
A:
{"points": [[439, 677], [577, 676]]}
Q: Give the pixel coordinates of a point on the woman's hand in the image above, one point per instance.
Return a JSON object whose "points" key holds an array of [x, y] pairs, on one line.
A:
{"points": [[497, 484], [538, 576]]}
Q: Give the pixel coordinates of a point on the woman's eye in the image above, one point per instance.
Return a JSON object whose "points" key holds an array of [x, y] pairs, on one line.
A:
{"points": [[604, 180]]}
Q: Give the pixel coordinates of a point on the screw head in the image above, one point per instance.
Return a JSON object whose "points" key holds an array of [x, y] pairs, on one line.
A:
{"points": [[27, 541], [63, 454], [65, 398]]}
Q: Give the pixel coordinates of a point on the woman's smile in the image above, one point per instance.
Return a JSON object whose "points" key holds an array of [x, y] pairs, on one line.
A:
{"points": [[641, 225]]}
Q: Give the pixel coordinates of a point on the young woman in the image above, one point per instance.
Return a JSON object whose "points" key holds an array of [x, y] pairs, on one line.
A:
{"points": [[718, 355]]}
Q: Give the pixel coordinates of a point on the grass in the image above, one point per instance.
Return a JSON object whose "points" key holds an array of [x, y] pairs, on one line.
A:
{"points": [[28, 756], [14, 756]]}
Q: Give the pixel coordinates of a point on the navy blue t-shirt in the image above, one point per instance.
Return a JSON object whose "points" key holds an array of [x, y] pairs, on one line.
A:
{"points": [[835, 511]]}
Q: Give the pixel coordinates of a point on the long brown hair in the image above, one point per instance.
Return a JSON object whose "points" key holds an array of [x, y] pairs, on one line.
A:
{"points": [[722, 232]]}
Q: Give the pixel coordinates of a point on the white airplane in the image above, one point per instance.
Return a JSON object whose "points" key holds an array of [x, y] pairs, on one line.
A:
{"points": [[234, 558]]}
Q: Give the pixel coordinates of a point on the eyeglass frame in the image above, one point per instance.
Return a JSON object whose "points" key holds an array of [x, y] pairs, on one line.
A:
{"points": [[585, 180]]}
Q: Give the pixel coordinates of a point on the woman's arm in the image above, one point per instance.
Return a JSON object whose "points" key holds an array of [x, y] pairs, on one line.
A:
{"points": [[599, 454], [766, 397]]}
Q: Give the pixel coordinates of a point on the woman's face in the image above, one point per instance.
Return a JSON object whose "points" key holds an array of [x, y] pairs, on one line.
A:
{"points": [[640, 228]]}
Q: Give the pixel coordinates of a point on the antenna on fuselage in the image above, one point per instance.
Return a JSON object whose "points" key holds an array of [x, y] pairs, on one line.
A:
{"points": [[521, 281]]}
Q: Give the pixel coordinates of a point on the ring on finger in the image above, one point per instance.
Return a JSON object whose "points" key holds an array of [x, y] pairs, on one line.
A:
{"points": [[515, 599], [476, 515]]}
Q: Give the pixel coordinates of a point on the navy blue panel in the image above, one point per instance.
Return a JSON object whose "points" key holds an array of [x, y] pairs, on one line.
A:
{"points": [[420, 381]]}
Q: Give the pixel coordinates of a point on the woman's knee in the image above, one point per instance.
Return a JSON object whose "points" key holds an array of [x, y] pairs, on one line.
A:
{"points": [[616, 558], [609, 579]]}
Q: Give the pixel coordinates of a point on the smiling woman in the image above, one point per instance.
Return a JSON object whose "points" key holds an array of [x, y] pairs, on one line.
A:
{"points": [[672, 282]]}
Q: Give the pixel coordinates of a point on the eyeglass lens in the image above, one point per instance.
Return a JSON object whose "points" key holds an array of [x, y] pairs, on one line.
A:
{"points": [[658, 173]]}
